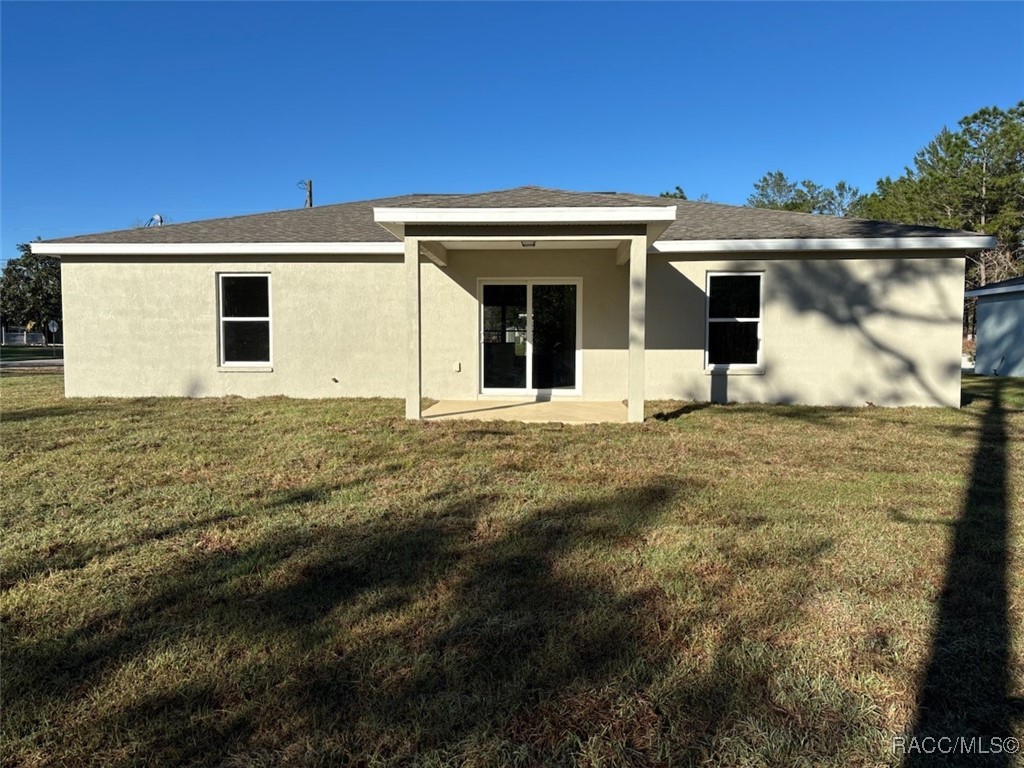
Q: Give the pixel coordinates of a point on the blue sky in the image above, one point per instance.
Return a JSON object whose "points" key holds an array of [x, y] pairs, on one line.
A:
{"points": [[112, 112]]}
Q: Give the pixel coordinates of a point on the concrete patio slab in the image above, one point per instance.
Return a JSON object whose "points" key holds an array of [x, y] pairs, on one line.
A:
{"points": [[564, 411]]}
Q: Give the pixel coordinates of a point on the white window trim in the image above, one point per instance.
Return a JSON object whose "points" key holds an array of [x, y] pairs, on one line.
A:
{"points": [[252, 364], [757, 367]]}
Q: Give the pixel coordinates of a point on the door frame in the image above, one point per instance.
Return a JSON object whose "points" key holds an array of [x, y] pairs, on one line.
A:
{"points": [[528, 391]]}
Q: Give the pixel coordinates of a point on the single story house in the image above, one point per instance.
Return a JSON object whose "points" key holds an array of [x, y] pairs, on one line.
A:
{"points": [[527, 292], [999, 321]]}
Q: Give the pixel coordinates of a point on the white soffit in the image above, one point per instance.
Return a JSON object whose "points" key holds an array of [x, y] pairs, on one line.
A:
{"points": [[955, 242], [217, 249], [516, 244], [396, 248], [581, 215]]}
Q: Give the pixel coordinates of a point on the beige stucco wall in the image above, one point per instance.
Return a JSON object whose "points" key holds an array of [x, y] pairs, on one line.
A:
{"points": [[149, 327], [884, 330], [451, 316], [846, 331]]}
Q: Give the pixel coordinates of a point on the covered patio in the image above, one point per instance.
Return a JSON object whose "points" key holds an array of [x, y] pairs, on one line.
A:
{"points": [[430, 234]]}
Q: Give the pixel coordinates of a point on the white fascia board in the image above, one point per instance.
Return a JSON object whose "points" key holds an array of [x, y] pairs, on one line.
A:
{"points": [[217, 249], [983, 291], [962, 243], [594, 215]]}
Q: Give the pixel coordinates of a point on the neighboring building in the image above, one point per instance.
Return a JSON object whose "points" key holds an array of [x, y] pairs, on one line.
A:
{"points": [[524, 292], [1000, 328]]}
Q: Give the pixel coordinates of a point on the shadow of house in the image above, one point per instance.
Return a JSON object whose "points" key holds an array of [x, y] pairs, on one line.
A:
{"points": [[683, 410], [670, 293], [966, 686]]}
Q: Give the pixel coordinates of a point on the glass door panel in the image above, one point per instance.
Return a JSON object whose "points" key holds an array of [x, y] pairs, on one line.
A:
{"points": [[554, 336], [504, 336]]}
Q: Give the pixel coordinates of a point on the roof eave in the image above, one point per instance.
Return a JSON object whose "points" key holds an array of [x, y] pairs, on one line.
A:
{"points": [[998, 290], [392, 217], [392, 248], [792, 245], [960, 243]]}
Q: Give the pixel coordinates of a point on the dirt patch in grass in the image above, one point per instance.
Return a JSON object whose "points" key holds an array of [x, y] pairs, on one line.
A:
{"points": [[267, 582]]}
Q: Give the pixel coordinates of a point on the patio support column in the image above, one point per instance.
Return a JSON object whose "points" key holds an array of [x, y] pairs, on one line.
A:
{"points": [[637, 325], [413, 359]]}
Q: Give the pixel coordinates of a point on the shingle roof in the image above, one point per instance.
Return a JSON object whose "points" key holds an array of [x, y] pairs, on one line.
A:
{"points": [[538, 197], [344, 222], [353, 222]]}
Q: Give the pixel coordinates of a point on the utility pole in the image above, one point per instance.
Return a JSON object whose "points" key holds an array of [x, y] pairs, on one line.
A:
{"points": [[309, 193]]}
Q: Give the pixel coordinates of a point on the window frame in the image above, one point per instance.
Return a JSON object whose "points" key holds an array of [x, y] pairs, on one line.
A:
{"points": [[756, 367], [269, 319]]}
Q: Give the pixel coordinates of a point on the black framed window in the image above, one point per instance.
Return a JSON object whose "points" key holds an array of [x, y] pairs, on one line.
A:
{"points": [[245, 319], [734, 319]]}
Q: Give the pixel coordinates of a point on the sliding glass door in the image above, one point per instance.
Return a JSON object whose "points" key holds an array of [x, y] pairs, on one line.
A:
{"points": [[554, 336], [530, 339], [504, 336]]}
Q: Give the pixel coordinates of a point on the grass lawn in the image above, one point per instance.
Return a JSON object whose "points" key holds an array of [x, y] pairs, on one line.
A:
{"points": [[31, 353], [288, 582]]}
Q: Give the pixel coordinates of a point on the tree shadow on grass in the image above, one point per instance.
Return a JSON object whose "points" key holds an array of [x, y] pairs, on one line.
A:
{"points": [[270, 595], [966, 686], [446, 633], [66, 409], [66, 555], [827, 416]]}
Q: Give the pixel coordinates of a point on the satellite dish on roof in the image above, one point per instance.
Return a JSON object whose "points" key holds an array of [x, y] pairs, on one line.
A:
{"points": [[155, 220]]}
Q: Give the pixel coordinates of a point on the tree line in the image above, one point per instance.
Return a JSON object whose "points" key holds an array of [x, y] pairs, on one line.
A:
{"points": [[30, 290], [970, 178]]}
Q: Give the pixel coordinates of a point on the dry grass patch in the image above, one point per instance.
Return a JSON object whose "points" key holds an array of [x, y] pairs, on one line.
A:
{"points": [[286, 582]]}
